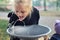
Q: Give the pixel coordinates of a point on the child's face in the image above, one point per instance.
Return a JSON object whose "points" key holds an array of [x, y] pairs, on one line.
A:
{"points": [[21, 10], [21, 13]]}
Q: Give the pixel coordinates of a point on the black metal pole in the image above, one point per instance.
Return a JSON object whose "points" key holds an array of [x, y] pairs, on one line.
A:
{"points": [[57, 4], [45, 5]]}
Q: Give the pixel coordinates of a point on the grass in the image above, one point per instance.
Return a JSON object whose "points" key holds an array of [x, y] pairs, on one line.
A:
{"points": [[3, 27]]}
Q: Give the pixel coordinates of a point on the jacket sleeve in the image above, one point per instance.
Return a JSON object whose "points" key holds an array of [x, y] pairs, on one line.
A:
{"points": [[13, 18], [9, 14], [36, 16]]}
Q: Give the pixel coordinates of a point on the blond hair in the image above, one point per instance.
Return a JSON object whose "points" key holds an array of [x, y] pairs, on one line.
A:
{"points": [[27, 4]]}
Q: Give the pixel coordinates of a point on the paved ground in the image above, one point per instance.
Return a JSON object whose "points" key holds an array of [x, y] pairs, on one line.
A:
{"points": [[3, 15], [44, 20], [49, 21]]}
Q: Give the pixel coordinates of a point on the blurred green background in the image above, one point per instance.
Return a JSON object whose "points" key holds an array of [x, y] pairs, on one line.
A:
{"points": [[49, 12], [5, 5]]}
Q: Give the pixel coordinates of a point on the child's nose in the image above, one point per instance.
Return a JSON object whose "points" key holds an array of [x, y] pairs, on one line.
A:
{"points": [[20, 14]]}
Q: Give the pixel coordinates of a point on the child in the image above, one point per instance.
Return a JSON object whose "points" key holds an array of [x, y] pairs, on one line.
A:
{"points": [[23, 11], [56, 36]]}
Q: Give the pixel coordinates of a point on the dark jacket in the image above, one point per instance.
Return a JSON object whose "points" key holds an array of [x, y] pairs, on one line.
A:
{"points": [[55, 37], [10, 14], [28, 21]]}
